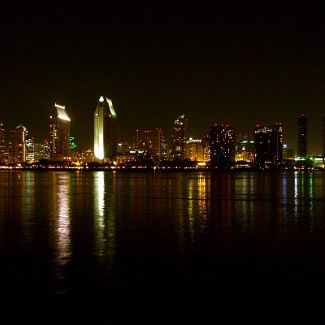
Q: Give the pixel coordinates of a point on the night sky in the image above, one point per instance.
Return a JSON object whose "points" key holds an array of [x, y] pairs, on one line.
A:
{"points": [[241, 62]]}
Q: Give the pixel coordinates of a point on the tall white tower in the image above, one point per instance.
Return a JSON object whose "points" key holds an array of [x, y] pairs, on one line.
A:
{"points": [[105, 140]]}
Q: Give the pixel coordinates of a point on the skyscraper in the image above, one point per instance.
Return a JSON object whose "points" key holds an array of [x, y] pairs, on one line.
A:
{"points": [[150, 140], [268, 145], [195, 150], [222, 145], [2, 143], [179, 137], [302, 135], [17, 144], [105, 138], [60, 134]]}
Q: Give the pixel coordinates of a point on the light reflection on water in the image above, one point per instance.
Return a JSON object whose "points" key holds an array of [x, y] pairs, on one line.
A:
{"points": [[82, 230], [62, 224]]}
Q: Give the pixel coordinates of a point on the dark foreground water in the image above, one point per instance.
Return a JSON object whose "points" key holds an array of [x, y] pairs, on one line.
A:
{"points": [[132, 247]]}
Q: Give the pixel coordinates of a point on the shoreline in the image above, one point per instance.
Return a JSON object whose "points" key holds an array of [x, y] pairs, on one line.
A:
{"points": [[163, 170]]}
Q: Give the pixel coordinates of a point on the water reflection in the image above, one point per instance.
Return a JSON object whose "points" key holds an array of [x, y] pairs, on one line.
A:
{"points": [[62, 221], [104, 214]]}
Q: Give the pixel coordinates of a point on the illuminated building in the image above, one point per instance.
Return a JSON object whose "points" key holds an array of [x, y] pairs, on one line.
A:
{"points": [[179, 137], [150, 141], [268, 145], [60, 134], [222, 145], [244, 148], [41, 151], [2, 143], [302, 135], [30, 149], [105, 139], [206, 148], [17, 144], [194, 150], [123, 148]]}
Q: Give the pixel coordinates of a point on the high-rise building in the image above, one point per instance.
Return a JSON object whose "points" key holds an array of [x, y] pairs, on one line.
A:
{"points": [[194, 150], [268, 145], [105, 137], [150, 140], [222, 145], [60, 134], [2, 143], [244, 147], [30, 149], [17, 144], [206, 148], [179, 137], [302, 135], [41, 151]]}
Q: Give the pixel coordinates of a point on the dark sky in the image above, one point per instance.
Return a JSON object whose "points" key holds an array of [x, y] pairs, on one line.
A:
{"points": [[240, 62]]}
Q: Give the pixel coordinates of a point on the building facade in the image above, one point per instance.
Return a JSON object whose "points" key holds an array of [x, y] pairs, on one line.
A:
{"points": [[150, 140], [268, 145], [244, 148], [17, 144], [194, 150], [222, 145], [302, 135], [3, 147], [60, 134], [105, 128], [179, 137]]}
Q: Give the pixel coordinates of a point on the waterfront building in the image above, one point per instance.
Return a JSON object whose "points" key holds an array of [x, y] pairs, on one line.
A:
{"points": [[30, 149], [105, 137], [244, 148], [222, 145], [302, 135], [179, 137], [41, 151], [3, 146], [150, 141], [268, 145], [60, 134], [17, 144], [194, 150]]}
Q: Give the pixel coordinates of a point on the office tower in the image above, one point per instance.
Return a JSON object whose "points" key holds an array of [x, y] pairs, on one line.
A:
{"points": [[60, 134], [2, 143], [222, 145], [244, 147], [206, 148], [302, 135], [41, 151], [105, 138], [17, 144], [30, 149], [150, 140], [194, 150], [179, 137], [268, 145]]}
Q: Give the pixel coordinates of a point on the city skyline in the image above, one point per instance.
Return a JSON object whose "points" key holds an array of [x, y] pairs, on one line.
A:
{"points": [[128, 135], [228, 63]]}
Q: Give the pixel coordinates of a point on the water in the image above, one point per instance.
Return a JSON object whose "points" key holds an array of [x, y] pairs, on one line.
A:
{"points": [[116, 247]]}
